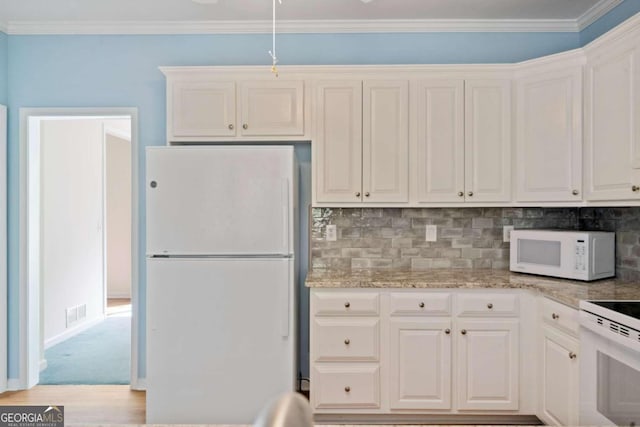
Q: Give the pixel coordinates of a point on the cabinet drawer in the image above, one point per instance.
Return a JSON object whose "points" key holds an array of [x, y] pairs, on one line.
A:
{"points": [[345, 304], [345, 340], [336, 386], [560, 315], [489, 304], [420, 304]]}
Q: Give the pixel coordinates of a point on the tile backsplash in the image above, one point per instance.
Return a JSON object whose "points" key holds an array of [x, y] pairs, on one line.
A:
{"points": [[394, 238]]}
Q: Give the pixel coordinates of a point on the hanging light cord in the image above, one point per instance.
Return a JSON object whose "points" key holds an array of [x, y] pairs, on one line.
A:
{"points": [[272, 52]]}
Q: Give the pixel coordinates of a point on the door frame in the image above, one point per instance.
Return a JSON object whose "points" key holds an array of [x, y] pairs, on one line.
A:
{"points": [[29, 295]]}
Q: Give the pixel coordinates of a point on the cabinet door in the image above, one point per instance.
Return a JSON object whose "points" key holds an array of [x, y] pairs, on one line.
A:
{"points": [[487, 140], [420, 364], [272, 108], [559, 391], [338, 141], [612, 134], [440, 140], [201, 109], [385, 147], [488, 364], [549, 138]]}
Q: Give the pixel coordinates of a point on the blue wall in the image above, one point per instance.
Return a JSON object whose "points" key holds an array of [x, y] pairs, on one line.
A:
{"points": [[617, 15], [4, 56], [122, 71], [100, 71]]}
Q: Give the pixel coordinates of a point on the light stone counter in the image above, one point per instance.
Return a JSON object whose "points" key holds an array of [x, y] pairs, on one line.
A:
{"points": [[568, 292]]}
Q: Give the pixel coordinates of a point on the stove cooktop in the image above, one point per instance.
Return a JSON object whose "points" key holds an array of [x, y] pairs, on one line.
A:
{"points": [[628, 308]]}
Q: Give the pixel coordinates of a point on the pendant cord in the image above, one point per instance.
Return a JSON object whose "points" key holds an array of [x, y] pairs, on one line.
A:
{"points": [[272, 52]]}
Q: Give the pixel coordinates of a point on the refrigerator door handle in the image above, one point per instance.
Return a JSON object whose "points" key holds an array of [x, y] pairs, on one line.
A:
{"points": [[286, 306], [286, 203]]}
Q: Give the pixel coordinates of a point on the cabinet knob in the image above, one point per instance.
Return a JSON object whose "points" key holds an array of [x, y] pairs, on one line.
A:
{"points": [[470, 194], [231, 127], [572, 355], [575, 192], [460, 193], [347, 389], [367, 194], [347, 341], [635, 188], [489, 306], [421, 305], [153, 184], [555, 316], [447, 331], [347, 304], [463, 332], [358, 194], [245, 126]]}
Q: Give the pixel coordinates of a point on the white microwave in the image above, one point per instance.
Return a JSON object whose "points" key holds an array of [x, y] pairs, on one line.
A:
{"points": [[580, 255]]}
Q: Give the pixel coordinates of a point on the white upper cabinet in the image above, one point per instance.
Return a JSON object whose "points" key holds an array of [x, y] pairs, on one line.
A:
{"points": [[202, 106], [361, 142], [487, 140], [337, 146], [385, 147], [440, 140], [272, 107], [612, 123], [549, 137], [463, 142]]}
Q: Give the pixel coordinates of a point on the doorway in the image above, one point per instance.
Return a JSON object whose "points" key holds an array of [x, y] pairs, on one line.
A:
{"points": [[81, 246]]}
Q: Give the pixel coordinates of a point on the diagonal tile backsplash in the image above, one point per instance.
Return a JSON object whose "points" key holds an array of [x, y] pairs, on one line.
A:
{"points": [[394, 238]]}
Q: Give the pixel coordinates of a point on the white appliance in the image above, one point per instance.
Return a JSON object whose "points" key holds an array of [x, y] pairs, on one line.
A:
{"points": [[221, 269], [580, 255], [610, 363]]}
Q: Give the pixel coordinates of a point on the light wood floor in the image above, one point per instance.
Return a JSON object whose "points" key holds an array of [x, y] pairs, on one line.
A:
{"points": [[85, 404]]}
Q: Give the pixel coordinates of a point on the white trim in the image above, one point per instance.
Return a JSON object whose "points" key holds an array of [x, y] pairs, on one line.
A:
{"points": [[620, 31], [596, 12], [68, 333], [3, 248], [43, 364], [312, 25], [13, 384], [292, 26], [29, 336], [139, 384]]}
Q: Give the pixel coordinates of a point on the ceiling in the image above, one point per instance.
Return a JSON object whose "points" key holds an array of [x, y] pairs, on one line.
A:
{"points": [[21, 14]]}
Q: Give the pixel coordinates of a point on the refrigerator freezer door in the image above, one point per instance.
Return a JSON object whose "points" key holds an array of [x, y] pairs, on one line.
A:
{"points": [[220, 338], [220, 200]]}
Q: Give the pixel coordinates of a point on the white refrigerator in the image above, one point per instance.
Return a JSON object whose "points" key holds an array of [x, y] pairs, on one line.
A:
{"points": [[221, 288]]}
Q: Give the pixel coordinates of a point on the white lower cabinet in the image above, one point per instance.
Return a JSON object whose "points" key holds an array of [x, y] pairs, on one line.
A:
{"points": [[559, 348], [488, 364], [420, 364], [431, 352]]}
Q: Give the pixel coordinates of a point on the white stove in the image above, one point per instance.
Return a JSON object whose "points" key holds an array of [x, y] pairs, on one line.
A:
{"points": [[610, 363]]}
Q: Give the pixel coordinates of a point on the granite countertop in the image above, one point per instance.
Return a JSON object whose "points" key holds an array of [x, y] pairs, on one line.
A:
{"points": [[568, 292]]}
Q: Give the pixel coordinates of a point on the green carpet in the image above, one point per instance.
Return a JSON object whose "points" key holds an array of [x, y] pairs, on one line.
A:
{"points": [[99, 355]]}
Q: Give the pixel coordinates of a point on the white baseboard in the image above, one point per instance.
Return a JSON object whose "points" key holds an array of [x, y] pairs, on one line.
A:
{"points": [[14, 384], [73, 331], [43, 365], [139, 384]]}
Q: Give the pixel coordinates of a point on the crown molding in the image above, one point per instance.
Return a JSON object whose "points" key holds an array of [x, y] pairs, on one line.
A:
{"points": [[294, 26], [596, 12]]}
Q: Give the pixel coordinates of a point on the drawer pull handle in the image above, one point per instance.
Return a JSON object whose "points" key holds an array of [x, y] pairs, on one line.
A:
{"points": [[447, 331], [245, 126], [421, 305], [555, 316], [347, 341], [489, 306], [572, 355], [347, 389], [358, 194], [463, 332], [347, 304], [231, 127]]}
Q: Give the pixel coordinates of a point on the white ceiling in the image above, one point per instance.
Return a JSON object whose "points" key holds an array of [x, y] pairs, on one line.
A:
{"points": [[18, 13]]}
